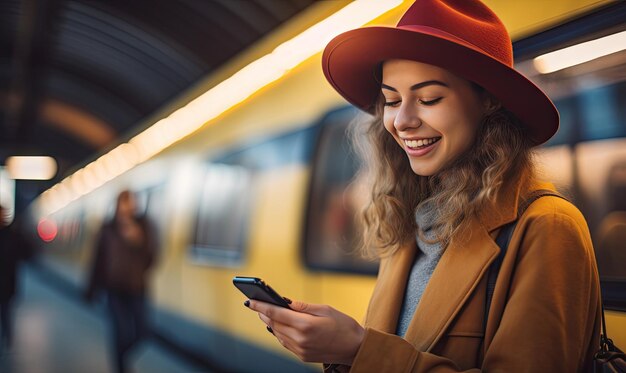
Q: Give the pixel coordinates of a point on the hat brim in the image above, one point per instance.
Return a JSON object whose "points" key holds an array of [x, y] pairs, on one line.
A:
{"points": [[350, 60]]}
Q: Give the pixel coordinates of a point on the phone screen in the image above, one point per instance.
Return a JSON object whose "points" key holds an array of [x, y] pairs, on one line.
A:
{"points": [[257, 289]]}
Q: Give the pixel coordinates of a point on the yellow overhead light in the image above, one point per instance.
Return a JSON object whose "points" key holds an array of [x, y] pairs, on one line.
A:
{"points": [[99, 171], [290, 53], [580, 53], [31, 167], [218, 99], [91, 177], [78, 184]]}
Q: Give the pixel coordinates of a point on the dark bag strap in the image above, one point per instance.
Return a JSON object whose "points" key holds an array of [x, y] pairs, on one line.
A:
{"points": [[502, 240], [609, 358]]}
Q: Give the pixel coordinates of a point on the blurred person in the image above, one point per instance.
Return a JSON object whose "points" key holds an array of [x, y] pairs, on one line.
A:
{"points": [[13, 249], [124, 254], [449, 152], [8, 274]]}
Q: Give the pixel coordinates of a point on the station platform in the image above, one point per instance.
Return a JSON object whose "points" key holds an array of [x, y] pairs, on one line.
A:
{"points": [[54, 332]]}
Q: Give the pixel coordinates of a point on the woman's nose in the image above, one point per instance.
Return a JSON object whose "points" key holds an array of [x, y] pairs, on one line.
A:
{"points": [[407, 117]]}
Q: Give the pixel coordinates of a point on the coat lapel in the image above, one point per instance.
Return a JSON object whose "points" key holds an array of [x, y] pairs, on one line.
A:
{"points": [[460, 269], [384, 309], [453, 280], [457, 274]]}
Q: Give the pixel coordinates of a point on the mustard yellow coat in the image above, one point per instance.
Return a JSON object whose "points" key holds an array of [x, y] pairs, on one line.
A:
{"points": [[545, 312]]}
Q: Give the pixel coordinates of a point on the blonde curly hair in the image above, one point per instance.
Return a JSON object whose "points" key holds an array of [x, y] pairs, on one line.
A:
{"points": [[501, 151]]}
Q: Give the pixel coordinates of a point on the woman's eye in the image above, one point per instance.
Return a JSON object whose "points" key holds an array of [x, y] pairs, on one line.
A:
{"points": [[423, 102], [430, 102], [392, 103]]}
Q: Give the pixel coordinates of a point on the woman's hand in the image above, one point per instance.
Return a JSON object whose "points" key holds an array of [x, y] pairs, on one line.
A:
{"points": [[315, 333]]}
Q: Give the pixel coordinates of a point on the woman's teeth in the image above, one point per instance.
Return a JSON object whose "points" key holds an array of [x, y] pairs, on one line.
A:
{"points": [[415, 144]]}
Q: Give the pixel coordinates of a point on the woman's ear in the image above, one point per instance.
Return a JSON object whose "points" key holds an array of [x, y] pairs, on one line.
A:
{"points": [[491, 104]]}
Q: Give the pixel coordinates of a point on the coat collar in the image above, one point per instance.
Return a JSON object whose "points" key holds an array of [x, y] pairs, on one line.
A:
{"points": [[457, 274], [460, 269], [504, 209]]}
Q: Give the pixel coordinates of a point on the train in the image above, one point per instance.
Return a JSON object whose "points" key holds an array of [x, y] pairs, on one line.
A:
{"points": [[267, 189]]}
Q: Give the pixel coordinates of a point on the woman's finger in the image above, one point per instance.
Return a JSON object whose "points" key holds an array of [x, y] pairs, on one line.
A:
{"points": [[282, 329], [277, 313], [266, 320], [288, 342], [283, 333]]}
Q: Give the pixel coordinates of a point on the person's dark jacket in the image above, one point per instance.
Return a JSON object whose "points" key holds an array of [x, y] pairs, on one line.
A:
{"points": [[118, 265], [13, 249]]}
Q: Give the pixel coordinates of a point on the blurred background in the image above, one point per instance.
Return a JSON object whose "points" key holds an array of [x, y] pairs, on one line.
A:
{"points": [[214, 119]]}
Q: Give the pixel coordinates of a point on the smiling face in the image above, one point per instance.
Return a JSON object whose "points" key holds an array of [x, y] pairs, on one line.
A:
{"points": [[432, 114]]}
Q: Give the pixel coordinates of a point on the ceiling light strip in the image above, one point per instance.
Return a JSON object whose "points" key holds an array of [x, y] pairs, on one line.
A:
{"points": [[580, 53], [212, 103]]}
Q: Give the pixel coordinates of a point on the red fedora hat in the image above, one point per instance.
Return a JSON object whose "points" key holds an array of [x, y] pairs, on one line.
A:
{"points": [[462, 36]]}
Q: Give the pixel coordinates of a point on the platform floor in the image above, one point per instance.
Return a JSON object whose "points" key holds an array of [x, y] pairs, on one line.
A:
{"points": [[54, 333]]}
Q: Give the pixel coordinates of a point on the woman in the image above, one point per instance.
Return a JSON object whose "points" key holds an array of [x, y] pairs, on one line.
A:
{"points": [[124, 254], [451, 161]]}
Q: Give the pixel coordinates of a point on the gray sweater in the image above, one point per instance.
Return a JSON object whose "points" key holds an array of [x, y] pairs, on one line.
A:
{"points": [[426, 260]]}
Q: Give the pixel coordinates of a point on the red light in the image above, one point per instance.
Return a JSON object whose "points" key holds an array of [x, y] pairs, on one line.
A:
{"points": [[47, 229]]}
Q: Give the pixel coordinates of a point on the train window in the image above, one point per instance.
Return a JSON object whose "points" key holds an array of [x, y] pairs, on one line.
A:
{"points": [[590, 97], [602, 114], [228, 194], [222, 215], [331, 235], [285, 149], [567, 127]]}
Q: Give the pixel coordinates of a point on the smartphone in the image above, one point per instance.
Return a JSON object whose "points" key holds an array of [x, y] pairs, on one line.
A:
{"points": [[255, 288]]}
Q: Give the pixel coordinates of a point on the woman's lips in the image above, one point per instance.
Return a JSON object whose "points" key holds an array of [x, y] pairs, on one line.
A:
{"points": [[427, 145]]}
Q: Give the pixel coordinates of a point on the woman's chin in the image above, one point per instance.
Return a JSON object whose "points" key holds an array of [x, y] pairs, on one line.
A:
{"points": [[422, 169]]}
